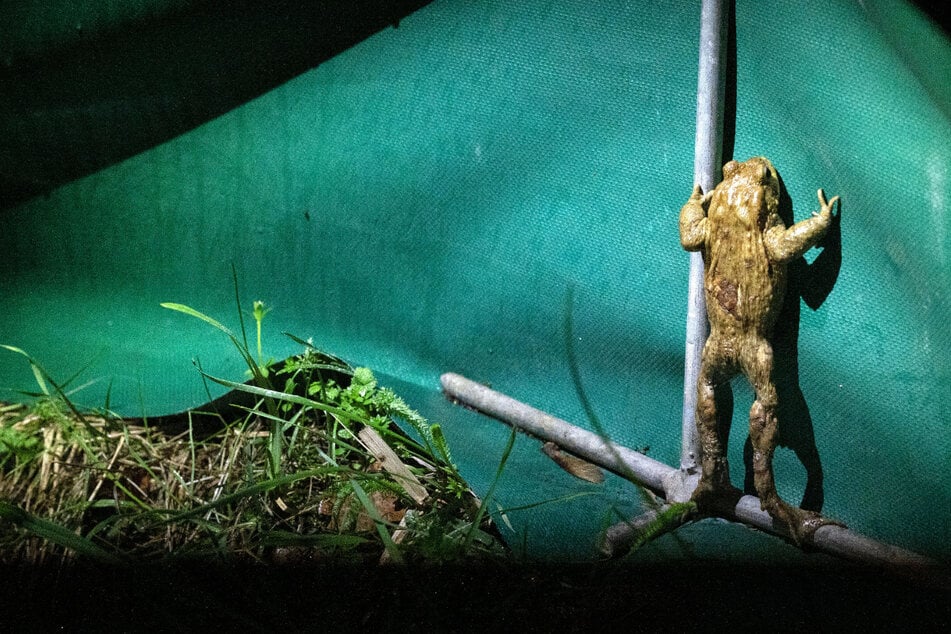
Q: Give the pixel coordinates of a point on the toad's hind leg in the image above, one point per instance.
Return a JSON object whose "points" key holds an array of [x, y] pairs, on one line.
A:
{"points": [[714, 489], [763, 436]]}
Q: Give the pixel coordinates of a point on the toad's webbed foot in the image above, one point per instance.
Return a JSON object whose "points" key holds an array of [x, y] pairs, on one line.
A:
{"points": [[800, 523], [716, 497]]}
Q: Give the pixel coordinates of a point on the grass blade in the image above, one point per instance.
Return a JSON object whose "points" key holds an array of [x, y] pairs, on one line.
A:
{"points": [[254, 489], [188, 310], [38, 372], [55, 533], [283, 396], [211, 321], [477, 521]]}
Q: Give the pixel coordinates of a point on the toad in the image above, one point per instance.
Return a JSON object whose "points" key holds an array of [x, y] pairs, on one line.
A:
{"points": [[745, 247]]}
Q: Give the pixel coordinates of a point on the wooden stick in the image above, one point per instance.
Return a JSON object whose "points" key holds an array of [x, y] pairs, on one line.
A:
{"points": [[392, 464]]}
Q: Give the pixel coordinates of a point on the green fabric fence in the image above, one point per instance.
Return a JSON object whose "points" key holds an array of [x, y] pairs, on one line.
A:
{"points": [[422, 201]]}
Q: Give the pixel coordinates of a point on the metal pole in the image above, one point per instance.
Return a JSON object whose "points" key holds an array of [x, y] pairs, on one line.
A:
{"points": [[706, 172], [663, 479]]}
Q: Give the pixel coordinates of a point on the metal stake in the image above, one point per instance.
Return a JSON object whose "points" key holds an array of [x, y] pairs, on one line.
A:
{"points": [[706, 172]]}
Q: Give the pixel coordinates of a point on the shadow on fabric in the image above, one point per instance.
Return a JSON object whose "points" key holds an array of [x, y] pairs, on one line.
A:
{"points": [[74, 110]]}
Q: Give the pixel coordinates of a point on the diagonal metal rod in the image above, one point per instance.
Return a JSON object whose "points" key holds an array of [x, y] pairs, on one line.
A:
{"points": [[661, 478], [581, 442], [708, 144]]}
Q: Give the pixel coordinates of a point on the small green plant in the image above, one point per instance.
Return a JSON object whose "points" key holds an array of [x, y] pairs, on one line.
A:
{"points": [[44, 381], [19, 445], [259, 311]]}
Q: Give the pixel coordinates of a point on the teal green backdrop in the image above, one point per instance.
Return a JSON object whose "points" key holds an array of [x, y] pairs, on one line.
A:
{"points": [[422, 201]]}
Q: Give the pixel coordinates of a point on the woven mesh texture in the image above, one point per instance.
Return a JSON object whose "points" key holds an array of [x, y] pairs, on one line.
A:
{"points": [[423, 201]]}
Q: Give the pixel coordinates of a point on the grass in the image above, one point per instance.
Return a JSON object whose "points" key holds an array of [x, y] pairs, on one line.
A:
{"points": [[291, 479]]}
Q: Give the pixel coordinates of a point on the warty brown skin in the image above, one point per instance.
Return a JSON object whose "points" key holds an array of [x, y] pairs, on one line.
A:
{"points": [[745, 247]]}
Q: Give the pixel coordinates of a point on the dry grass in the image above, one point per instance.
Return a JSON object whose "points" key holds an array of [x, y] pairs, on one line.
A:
{"points": [[136, 492]]}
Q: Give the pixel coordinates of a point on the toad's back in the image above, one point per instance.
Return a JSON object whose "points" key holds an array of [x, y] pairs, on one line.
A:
{"points": [[744, 290]]}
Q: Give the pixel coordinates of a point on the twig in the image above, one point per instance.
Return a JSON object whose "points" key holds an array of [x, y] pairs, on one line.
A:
{"points": [[391, 462]]}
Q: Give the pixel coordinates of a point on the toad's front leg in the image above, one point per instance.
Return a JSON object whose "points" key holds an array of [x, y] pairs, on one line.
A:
{"points": [[694, 226], [785, 245]]}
